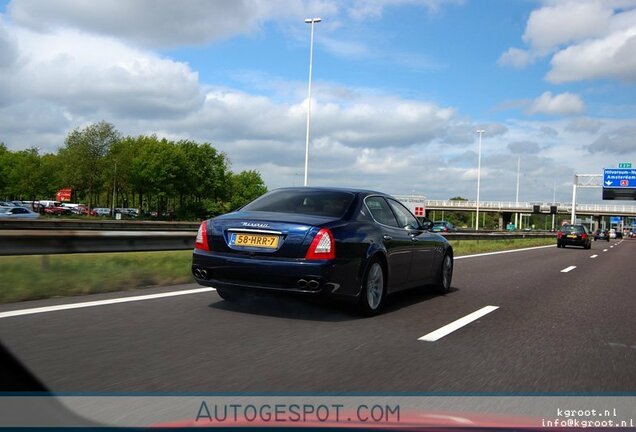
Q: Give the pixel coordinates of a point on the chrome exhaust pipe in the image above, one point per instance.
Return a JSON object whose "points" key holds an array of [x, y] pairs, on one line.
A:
{"points": [[302, 283], [204, 274], [313, 284], [197, 273]]}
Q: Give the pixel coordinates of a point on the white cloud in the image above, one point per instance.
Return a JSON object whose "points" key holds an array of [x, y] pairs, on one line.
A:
{"points": [[586, 39], [169, 23], [615, 142], [524, 147], [610, 57], [552, 26], [516, 58], [162, 23], [561, 104], [586, 125], [86, 73]]}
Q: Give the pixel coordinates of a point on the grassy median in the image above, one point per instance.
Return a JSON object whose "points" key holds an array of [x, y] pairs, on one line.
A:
{"points": [[37, 277], [43, 276]]}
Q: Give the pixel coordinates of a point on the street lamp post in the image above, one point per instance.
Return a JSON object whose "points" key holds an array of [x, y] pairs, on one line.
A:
{"points": [[517, 195], [480, 132], [311, 21]]}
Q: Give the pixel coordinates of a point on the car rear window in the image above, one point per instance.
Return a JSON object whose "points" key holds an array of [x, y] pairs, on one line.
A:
{"points": [[310, 202], [578, 229]]}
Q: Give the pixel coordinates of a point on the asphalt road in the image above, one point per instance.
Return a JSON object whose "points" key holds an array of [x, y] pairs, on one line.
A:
{"points": [[552, 331]]}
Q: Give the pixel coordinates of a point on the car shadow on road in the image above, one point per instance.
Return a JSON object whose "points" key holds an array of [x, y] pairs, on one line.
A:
{"points": [[325, 310], [414, 296], [291, 308]]}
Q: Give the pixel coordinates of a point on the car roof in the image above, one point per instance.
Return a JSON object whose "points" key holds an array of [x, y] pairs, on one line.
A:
{"points": [[332, 189]]}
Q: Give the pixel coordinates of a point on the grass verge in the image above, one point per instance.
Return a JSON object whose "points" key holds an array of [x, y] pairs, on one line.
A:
{"points": [[44, 276], [470, 247]]}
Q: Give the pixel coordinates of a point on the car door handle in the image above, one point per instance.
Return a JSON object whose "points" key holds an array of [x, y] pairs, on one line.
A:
{"points": [[387, 237]]}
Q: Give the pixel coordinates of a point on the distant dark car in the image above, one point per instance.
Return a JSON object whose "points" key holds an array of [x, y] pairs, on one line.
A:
{"points": [[17, 213], [346, 244], [100, 211], [443, 226], [575, 235], [601, 234]]}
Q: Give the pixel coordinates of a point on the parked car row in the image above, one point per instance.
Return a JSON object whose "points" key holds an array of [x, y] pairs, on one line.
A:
{"points": [[57, 208]]}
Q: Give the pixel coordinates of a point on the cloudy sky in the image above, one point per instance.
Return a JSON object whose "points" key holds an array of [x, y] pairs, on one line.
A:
{"points": [[399, 86]]}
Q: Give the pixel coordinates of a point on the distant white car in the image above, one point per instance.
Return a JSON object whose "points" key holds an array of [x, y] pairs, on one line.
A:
{"points": [[612, 233], [17, 213]]}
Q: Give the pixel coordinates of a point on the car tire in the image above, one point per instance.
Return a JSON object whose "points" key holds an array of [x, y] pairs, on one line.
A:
{"points": [[229, 294], [373, 292], [445, 276]]}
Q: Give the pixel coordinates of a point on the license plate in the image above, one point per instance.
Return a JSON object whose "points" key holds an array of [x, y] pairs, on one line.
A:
{"points": [[572, 236], [254, 240]]}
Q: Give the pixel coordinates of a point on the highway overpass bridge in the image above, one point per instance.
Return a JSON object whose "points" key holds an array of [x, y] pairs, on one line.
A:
{"points": [[507, 210], [527, 207]]}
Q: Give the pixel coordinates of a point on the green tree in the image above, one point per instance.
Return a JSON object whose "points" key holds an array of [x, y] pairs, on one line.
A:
{"points": [[4, 164], [245, 187], [23, 174], [83, 157]]}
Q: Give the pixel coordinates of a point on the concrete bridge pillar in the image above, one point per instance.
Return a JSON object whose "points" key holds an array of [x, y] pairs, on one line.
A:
{"points": [[504, 219]]}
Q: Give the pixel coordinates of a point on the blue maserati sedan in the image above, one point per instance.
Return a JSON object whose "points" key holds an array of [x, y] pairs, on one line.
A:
{"points": [[348, 244]]}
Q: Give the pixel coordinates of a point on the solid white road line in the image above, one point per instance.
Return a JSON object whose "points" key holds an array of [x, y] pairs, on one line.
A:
{"points": [[100, 302], [593, 256], [455, 325], [568, 269], [503, 252]]}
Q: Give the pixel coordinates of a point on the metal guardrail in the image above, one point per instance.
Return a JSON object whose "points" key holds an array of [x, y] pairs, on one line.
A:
{"points": [[100, 225], [498, 235], [48, 242], [54, 241]]}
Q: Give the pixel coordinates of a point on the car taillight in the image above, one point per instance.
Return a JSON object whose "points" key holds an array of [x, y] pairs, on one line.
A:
{"points": [[445, 229], [559, 234], [323, 246], [201, 241], [584, 236]]}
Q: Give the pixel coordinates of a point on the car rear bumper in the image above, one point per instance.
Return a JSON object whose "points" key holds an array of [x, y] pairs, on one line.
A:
{"points": [[573, 242], [299, 276]]}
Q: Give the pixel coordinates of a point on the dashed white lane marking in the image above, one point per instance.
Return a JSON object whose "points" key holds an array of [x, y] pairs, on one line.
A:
{"points": [[593, 256], [568, 269], [605, 250], [100, 302], [457, 324]]}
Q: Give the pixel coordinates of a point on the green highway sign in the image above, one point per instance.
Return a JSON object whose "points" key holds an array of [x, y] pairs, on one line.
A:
{"points": [[625, 165]]}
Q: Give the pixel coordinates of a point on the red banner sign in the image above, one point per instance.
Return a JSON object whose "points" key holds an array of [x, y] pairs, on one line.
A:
{"points": [[63, 194]]}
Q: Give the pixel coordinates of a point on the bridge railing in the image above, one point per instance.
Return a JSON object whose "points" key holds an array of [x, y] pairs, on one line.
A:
{"points": [[528, 206]]}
